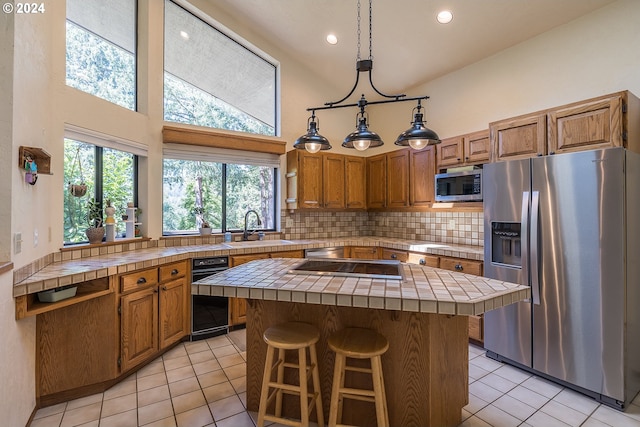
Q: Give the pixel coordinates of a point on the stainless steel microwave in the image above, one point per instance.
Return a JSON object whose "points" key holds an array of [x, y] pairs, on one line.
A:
{"points": [[465, 186]]}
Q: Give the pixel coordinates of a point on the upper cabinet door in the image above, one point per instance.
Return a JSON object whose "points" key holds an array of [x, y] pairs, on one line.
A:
{"points": [[450, 152], [310, 180], [377, 181], [333, 170], [590, 125], [519, 138], [355, 176], [422, 168], [398, 179], [476, 147]]}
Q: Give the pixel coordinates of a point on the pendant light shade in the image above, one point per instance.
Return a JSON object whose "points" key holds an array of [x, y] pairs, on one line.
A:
{"points": [[418, 136], [312, 141], [362, 138]]}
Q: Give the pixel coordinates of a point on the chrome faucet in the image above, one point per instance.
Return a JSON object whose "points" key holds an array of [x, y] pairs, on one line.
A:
{"points": [[246, 234]]}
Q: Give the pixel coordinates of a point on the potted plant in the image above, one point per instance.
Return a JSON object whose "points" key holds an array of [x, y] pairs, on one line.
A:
{"points": [[204, 227], [95, 232]]}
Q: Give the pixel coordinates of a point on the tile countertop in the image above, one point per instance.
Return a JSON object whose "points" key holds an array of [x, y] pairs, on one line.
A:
{"points": [[82, 269], [424, 289]]}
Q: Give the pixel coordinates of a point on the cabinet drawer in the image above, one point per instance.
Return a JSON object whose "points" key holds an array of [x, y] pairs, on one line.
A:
{"points": [[367, 252], [173, 271], [393, 255], [461, 265], [423, 259], [288, 254], [139, 279]]}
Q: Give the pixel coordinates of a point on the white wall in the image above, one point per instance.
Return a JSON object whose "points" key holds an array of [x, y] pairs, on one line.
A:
{"points": [[594, 55], [591, 56]]}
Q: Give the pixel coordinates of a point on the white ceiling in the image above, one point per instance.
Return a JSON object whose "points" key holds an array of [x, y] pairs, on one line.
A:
{"points": [[409, 46]]}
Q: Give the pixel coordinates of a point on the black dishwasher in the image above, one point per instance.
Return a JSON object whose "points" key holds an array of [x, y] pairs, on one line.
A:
{"points": [[209, 314]]}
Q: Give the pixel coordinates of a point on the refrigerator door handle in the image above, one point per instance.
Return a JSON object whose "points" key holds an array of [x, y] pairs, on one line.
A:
{"points": [[524, 238], [535, 256]]}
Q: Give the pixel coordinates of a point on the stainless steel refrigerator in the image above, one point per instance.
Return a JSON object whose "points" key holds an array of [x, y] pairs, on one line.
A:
{"points": [[568, 225]]}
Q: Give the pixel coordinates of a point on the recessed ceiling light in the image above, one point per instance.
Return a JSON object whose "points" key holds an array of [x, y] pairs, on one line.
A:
{"points": [[184, 35], [444, 17], [332, 39]]}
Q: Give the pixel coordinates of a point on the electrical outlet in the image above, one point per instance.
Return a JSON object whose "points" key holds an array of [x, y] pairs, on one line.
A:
{"points": [[49, 234], [452, 224], [35, 238], [288, 222], [17, 243]]}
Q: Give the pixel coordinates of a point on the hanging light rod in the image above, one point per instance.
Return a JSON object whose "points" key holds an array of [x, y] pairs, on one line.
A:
{"points": [[418, 136]]}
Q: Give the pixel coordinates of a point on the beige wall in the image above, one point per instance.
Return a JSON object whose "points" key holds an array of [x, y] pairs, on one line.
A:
{"points": [[594, 55]]}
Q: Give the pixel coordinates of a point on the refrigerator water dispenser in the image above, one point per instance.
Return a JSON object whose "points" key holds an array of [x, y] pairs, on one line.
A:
{"points": [[505, 244]]}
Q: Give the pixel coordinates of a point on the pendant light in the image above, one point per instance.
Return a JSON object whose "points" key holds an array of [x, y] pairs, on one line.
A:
{"points": [[362, 138], [312, 141], [418, 136]]}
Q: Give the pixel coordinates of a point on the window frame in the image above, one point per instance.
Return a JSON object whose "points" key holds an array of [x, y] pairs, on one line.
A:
{"points": [[136, 86], [223, 225], [99, 172], [250, 47]]}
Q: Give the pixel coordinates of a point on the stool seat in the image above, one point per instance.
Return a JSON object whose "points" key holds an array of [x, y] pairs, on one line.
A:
{"points": [[291, 335], [358, 343]]}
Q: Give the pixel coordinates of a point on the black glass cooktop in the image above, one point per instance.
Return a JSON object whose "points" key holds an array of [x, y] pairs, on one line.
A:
{"points": [[350, 268]]}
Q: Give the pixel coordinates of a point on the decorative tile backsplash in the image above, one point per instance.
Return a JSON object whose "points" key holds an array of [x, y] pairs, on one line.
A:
{"points": [[464, 228]]}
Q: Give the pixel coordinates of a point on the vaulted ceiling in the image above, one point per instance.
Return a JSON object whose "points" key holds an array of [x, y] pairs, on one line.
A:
{"points": [[409, 46]]}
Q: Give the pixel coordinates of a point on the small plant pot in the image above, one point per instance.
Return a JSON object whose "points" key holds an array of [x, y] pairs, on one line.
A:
{"points": [[125, 217], [205, 231], [95, 234], [78, 190]]}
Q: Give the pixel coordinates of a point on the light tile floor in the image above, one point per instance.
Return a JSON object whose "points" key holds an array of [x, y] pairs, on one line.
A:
{"points": [[203, 383]]}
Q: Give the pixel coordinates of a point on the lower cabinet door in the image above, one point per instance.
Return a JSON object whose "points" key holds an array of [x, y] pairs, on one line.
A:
{"points": [[238, 311], [139, 326], [174, 312]]}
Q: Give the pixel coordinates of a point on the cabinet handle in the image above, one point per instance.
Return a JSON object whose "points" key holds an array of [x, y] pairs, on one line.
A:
{"points": [[394, 256], [155, 290], [311, 202], [141, 281], [422, 261], [459, 159], [459, 267], [466, 158], [552, 153], [164, 288], [174, 271]]}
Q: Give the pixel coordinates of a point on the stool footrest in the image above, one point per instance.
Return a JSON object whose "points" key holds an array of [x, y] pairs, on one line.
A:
{"points": [[357, 369]]}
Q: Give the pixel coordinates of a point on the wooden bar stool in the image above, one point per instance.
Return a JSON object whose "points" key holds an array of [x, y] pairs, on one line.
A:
{"points": [[358, 343], [291, 336]]}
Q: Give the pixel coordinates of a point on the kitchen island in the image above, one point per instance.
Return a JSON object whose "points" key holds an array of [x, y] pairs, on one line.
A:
{"points": [[423, 315]]}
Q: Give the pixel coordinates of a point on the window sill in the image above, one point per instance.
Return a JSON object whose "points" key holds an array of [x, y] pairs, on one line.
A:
{"points": [[102, 244]]}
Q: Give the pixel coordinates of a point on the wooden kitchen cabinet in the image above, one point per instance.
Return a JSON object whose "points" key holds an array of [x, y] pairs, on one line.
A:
{"points": [[424, 259], [587, 125], [476, 323], [398, 179], [238, 306], [519, 138], [325, 181], [606, 121], [76, 346], [377, 181], [154, 311], [463, 150], [333, 171], [355, 176], [393, 254], [422, 169], [361, 252]]}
